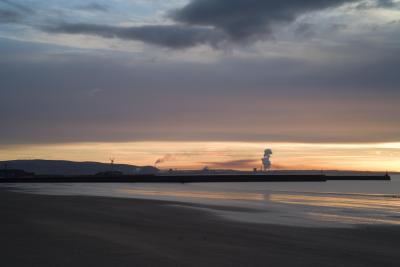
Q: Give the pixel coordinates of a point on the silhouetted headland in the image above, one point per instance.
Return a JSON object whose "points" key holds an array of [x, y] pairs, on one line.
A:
{"points": [[59, 172], [187, 178]]}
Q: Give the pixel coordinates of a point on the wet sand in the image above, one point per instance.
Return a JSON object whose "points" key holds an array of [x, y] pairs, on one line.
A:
{"points": [[39, 230]]}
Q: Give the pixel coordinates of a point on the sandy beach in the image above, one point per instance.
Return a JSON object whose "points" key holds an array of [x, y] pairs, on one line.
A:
{"points": [[39, 230]]}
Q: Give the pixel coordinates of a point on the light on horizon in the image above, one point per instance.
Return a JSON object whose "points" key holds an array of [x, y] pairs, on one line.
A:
{"points": [[228, 155]]}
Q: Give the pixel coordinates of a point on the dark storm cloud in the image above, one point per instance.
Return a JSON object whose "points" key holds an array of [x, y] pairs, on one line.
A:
{"points": [[174, 36], [208, 22], [244, 19]]}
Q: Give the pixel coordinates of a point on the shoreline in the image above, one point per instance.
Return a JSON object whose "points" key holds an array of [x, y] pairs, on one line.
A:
{"points": [[44, 230], [200, 178]]}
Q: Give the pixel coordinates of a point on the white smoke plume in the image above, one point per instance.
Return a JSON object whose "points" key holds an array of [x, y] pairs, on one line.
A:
{"points": [[177, 156], [166, 157], [266, 159]]}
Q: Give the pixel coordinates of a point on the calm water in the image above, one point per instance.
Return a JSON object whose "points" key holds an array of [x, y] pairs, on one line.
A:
{"points": [[330, 204]]}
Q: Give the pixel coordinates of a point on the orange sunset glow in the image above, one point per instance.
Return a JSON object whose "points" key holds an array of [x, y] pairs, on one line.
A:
{"points": [[222, 155]]}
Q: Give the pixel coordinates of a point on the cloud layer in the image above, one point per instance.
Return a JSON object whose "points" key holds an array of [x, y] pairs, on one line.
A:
{"points": [[246, 19], [329, 77], [173, 36], [208, 22], [8, 16], [12, 12], [68, 97]]}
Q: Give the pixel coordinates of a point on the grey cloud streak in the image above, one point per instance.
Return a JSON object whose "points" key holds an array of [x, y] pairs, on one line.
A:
{"points": [[94, 7], [12, 12], [17, 6], [173, 36], [8, 16], [208, 22], [386, 3]]}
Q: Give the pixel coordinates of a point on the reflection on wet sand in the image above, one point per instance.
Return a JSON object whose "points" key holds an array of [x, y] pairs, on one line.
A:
{"points": [[263, 203], [365, 209], [351, 219], [197, 194], [352, 202]]}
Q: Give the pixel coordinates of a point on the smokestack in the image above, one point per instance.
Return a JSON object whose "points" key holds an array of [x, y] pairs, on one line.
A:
{"points": [[265, 160]]}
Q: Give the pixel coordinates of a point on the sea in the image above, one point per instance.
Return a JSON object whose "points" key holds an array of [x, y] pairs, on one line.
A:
{"points": [[307, 204]]}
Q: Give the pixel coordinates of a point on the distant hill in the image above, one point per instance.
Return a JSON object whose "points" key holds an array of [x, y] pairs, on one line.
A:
{"points": [[63, 167]]}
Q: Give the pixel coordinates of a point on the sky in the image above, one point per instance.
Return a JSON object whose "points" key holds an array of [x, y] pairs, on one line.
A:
{"points": [[202, 82]]}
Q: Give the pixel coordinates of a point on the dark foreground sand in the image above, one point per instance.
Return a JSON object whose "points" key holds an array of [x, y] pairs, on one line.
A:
{"points": [[94, 231]]}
